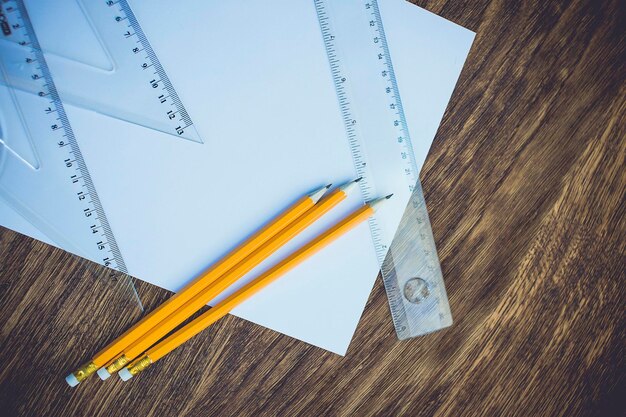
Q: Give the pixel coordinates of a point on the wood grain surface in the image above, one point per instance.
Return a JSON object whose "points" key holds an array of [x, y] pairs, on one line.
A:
{"points": [[526, 187]]}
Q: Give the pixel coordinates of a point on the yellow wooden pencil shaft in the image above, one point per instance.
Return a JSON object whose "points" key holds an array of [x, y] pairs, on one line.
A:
{"points": [[221, 309], [209, 276], [214, 289]]}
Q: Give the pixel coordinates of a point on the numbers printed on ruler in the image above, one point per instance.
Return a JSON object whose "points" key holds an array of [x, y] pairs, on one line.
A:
{"points": [[62, 134], [365, 83], [391, 90], [395, 115], [155, 76]]}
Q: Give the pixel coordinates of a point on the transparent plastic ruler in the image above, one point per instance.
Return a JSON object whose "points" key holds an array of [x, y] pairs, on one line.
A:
{"points": [[107, 64], [43, 175], [373, 117]]}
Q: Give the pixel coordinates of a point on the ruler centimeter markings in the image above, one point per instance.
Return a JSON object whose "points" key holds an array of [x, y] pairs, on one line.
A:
{"points": [[340, 80], [395, 294], [61, 132], [148, 61], [410, 267], [359, 157], [135, 73], [395, 103]]}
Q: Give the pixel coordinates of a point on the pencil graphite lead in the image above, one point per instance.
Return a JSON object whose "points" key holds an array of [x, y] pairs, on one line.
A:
{"points": [[319, 193], [348, 187], [375, 204]]}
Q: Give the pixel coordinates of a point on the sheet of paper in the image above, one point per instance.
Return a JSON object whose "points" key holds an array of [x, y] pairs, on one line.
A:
{"points": [[264, 105]]}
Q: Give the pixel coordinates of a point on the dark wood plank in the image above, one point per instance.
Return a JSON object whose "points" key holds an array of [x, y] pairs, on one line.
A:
{"points": [[526, 187]]}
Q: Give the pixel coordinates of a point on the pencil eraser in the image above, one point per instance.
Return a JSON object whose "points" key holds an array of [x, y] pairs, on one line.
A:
{"points": [[71, 380], [103, 373], [125, 374]]}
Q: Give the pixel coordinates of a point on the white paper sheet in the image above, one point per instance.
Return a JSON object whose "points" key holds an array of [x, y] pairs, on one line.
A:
{"points": [[255, 79]]}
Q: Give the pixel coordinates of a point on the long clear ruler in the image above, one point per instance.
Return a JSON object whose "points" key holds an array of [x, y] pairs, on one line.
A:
{"points": [[43, 175], [374, 120], [104, 62]]}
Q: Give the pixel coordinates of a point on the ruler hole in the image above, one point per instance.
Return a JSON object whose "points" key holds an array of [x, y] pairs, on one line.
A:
{"points": [[416, 290]]}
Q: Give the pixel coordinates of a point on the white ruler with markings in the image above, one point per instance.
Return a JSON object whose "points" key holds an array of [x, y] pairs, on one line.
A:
{"points": [[43, 175], [371, 108], [133, 71]]}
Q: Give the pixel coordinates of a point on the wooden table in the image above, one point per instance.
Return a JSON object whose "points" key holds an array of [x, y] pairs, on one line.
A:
{"points": [[526, 186]]}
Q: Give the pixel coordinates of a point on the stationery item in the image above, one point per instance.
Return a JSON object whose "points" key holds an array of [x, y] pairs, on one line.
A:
{"points": [[111, 58], [207, 294], [215, 272], [361, 67], [157, 178], [221, 309], [43, 174], [412, 275]]}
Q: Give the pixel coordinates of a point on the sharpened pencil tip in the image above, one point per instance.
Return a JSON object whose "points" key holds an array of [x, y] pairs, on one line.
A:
{"points": [[375, 204], [358, 179], [348, 187], [329, 185], [319, 193]]}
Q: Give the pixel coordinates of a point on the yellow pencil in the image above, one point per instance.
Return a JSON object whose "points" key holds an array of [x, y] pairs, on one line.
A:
{"points": [[114, 348], [211, 291], [221, 309]]}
